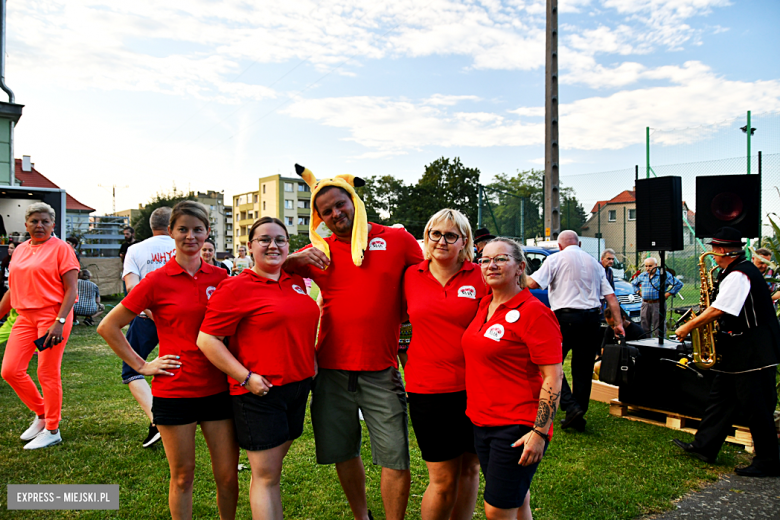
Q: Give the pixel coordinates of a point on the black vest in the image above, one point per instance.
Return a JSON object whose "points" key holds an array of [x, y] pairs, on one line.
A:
{"points": [[752, 339]]}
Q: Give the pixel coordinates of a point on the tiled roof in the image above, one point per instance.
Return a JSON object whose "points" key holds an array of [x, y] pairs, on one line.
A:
{"points": [[624, 197], [35, 179]]}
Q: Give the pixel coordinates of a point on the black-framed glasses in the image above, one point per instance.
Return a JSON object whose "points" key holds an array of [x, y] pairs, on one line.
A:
{"points": [[498, 259], [265, 240], [449, 237]]}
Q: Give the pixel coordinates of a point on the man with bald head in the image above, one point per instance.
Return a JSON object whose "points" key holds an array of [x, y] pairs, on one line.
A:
{"points": [[577, 283], [648, 284]]}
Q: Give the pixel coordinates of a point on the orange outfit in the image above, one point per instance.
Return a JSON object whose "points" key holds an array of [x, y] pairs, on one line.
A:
{"points": [[37, 291]]}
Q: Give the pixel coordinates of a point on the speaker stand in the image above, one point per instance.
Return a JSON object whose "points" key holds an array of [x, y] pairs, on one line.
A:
{"points": [[662, 300]]}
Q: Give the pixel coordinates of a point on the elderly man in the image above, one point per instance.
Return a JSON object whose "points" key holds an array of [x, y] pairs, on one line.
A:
{"points": [[481, 238], [577, 284], [358, 346], [748, 341], [607, 261], [648, 285]]}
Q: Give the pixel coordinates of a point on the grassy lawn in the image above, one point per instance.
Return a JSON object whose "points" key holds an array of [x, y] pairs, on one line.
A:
{"points": [[617, 469]]}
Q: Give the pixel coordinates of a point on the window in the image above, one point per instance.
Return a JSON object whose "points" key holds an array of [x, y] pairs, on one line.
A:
{"points": [[263, 189], [289, 221], [263, 205], [303, 187], [304, 204], [303, 221], [288, 204], [632, 214], [288, 186], [535, 261], [254, 198], [243, 215], [612, 215]]}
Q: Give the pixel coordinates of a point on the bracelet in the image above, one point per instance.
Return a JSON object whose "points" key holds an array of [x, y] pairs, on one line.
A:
{"points": [[247, 379], [544, 436]]}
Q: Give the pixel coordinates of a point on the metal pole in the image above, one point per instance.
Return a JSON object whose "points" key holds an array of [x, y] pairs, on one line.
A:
{"points": [[522, 219], [647, 149], [552, 216], [760, 183], [598, 232], [479, 210], [624, 236], [748, 142]]}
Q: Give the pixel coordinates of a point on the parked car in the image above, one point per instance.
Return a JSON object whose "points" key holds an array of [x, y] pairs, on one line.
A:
{"points": [[630, 302]]}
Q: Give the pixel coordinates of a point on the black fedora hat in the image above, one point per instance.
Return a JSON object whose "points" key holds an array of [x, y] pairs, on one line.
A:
{"points": [[483, 234], [728, 237]]}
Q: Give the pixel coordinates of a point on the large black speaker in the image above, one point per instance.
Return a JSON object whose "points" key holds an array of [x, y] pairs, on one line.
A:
{"points": [[659, 224], [728, 200]]}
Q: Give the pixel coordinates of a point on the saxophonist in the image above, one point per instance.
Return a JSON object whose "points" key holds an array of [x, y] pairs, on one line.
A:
{"points": [[748, 347]]}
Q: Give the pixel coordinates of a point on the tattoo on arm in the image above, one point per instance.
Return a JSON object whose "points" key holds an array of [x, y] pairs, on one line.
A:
{"points": [[548, 406]]}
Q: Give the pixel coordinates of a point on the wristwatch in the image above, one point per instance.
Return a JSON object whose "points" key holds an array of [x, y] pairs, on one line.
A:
{"points": [[62, 320]]}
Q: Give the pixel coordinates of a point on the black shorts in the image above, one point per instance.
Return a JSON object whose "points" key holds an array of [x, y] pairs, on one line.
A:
{"points": [[441, 426], [174, 411], [269, 421], [506, 482]]}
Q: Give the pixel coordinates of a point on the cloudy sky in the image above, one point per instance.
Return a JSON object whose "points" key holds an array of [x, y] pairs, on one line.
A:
{"points": [[212, 95]]}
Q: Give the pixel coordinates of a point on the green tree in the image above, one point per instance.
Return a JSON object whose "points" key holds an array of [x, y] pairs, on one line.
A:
{"points": [[299, 241], [141, 222], [382, 197]]}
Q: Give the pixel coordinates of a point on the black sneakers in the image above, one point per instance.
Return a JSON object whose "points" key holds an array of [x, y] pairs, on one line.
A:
{"points": [[153, 436]]}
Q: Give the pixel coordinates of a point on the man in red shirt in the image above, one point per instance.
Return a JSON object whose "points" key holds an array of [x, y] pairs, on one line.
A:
{"points": [[357, 351]]}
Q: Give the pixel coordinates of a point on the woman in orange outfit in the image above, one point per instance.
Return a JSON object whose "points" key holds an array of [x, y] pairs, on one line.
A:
{"points": [[43, 289]]}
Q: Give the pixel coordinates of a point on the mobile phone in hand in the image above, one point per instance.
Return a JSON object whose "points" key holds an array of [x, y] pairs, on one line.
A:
{"points": [[40, 343]]}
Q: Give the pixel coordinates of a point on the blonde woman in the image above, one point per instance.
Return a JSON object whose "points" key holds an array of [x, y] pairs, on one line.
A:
{"points": [[442, 295]]}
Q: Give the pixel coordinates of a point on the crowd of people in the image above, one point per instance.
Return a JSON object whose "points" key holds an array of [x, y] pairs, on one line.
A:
{"points": [[242, 355]]}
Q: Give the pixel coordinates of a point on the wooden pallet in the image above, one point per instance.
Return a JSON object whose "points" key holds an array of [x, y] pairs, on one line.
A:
{"points": [[675, 421]]}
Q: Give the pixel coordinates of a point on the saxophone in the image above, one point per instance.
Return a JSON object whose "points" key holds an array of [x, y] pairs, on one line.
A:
{"points": [[703, 338]]}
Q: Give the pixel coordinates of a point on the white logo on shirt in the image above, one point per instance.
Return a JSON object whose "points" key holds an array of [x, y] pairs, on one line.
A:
{"points": [[467, 291], [209, 291], [297, 288], [496, 332], [377, 244]]}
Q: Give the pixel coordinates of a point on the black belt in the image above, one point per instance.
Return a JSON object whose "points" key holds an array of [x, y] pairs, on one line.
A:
{"points": [[580, 311]]}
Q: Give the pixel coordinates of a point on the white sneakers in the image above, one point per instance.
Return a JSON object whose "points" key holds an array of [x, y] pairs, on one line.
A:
{"points": [[37, 426], [43, 440]]}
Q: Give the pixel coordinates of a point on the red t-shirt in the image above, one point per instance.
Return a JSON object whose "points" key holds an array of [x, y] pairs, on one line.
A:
{"points": [[272, 326], [361, 315], [178, 302], [35, 276], [439, 316], [503, 380]]}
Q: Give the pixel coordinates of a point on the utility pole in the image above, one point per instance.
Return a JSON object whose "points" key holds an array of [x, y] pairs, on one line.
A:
{"points": [[113, 195], [552, 214]]}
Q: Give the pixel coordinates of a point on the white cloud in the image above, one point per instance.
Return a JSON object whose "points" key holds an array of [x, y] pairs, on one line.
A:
{"points": [[389, 126]]}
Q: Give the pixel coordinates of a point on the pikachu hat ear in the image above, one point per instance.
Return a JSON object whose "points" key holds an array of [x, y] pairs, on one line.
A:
{"points": [[360, 221]]}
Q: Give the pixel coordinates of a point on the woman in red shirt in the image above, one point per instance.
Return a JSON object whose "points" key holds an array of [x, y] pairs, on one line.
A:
{"points": [[42, 290], [187, 389], [513, 380], [272, 325], [442, 297]]}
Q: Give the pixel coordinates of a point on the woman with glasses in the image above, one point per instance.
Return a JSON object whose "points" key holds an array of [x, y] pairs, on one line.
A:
{"points": [[270, 360], [513, 380], [187, 389], [442, 296]]}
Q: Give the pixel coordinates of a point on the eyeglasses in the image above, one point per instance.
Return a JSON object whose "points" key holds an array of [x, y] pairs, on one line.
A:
{"points": [[265, 241], [498, 259], [449, 238]]}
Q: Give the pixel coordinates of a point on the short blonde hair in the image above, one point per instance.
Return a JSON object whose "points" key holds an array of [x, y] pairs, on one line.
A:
{"points": [[464, 228], [39, 207]]}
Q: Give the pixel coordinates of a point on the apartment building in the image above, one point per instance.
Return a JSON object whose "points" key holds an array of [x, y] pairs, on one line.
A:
{"points": [[286, 198]]}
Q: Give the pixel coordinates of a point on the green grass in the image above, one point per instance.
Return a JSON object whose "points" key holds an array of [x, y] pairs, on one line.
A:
{"points": [[617, 469]]}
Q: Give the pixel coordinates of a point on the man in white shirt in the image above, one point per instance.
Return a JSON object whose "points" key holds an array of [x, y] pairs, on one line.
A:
{"points": [[141, 259], [577, 284], [748, 350]]}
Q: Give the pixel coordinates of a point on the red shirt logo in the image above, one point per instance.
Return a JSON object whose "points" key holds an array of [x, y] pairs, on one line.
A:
{"points": [[297, 288], [467, 291], [496, 332], [377, 244], [209, 291]]}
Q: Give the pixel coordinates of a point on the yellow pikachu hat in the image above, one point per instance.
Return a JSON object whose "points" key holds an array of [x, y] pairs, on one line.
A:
{"points": [[360, 223]]}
